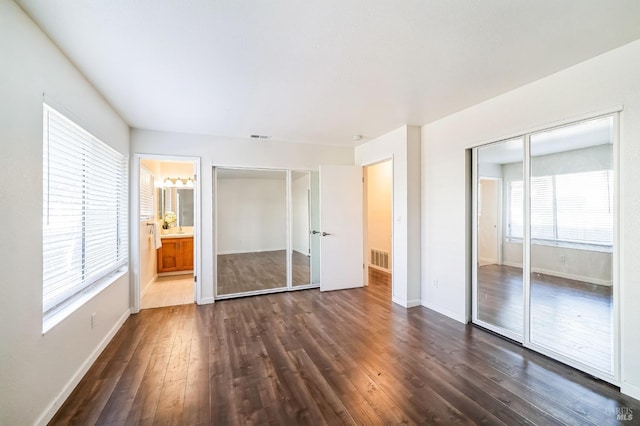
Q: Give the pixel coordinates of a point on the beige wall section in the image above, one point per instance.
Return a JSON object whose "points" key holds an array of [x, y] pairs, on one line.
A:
{"points": [[379, 180], [592, 87], [38, 371], [488, 212]]}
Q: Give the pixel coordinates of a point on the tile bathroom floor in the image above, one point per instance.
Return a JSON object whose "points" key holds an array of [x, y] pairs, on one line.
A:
{"points": [[169, 291]]}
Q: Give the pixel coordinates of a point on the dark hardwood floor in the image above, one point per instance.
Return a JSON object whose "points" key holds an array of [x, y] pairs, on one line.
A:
{"points": [[344, 357], [571, 317], [267, 270]]}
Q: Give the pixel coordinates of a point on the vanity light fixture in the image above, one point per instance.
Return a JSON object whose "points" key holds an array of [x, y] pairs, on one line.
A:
{"points": [[178, 182]]}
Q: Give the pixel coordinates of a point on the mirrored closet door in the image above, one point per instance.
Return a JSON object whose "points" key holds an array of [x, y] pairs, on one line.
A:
{"points": [[264, 231], [544, 229], [499, 294]]}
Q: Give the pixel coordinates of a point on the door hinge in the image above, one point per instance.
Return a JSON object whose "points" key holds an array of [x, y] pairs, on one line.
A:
{"points": [[195, 278]]}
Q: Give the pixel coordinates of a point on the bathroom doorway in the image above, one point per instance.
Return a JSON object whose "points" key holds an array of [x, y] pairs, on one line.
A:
{"points": [[168, 231], [378, 223]]}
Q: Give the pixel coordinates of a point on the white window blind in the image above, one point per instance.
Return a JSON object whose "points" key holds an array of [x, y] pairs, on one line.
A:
{"points": [[585, 207], [573, 207], [84, 211], [516, 210], [541, 206], [147, 190]]}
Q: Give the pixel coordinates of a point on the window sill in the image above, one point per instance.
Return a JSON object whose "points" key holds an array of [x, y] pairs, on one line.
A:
{"points": [[55, 318], [565, 244]]}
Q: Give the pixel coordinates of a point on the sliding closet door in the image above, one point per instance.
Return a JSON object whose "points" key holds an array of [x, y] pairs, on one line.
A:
{"points": [[499, 218], [572, 243], [302, 213], [251, 212]]}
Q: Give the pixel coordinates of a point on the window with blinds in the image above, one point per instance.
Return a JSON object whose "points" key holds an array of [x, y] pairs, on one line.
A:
{"points": [[572, 207], [85, 202], [147, 188]]}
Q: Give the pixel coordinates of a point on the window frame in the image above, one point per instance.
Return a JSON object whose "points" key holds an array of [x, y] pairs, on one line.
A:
{"points": [[74, 156]]}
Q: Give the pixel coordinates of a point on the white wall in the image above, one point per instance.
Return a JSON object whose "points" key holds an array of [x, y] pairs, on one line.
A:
{"points": [[252, 215], [594, 86], [38, 371], [379, 191], [231, 152], [403, 146], [300, 185]]}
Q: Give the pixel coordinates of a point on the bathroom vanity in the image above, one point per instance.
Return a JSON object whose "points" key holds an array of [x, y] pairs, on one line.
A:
{"points": [[176, 253]]}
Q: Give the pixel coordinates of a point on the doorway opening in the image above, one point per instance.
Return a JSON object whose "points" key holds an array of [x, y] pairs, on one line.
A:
{"points": [[167, 232], [378, 223]]}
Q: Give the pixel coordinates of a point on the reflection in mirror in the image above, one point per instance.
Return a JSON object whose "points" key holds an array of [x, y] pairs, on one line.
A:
{"points": [[179, 201], [572, 211], [500, 214], [251, 212], [314, 219], [300, 228]]}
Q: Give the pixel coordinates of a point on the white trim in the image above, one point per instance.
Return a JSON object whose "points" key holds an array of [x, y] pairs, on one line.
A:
{"points": [[630, 389], [486, 261], [412, 303], [54, 405], [548, 126], [206, 301], [444, 311]]}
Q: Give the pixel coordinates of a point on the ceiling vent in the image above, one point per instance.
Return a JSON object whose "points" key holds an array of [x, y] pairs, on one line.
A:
{"points": [[260, 137]]}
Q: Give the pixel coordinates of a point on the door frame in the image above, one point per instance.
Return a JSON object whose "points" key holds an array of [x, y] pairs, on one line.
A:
{"points": [[135, 224]]}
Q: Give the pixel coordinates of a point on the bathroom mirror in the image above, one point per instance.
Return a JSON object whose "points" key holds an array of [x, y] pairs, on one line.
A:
{"points": [[179, 201]]}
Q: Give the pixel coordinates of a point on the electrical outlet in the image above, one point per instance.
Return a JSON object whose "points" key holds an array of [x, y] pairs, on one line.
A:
{"points": [[435, 283], [93, 320], [563, 259]]}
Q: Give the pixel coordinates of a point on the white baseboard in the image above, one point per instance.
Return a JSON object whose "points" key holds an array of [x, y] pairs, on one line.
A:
{"points": [[53, 407], [559, 274], [487, 261], [445, 311], [379, 268], [630, 389], [249, 251], [400, 302], [206, 301], [406, 303]]}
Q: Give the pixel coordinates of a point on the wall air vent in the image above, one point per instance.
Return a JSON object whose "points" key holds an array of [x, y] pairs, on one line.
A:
{"points": [[380, 258], [260, 137]]}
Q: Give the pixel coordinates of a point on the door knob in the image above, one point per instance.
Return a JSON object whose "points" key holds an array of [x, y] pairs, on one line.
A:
{"points": [[314, 232], [324, 234]]}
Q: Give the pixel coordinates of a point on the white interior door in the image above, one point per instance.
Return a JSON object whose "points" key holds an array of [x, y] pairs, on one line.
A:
{"points": [[340, 227]]}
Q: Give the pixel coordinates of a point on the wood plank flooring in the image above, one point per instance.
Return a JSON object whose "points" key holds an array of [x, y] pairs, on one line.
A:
{"points": [[345, 357], [568, 316], [267, 270]]}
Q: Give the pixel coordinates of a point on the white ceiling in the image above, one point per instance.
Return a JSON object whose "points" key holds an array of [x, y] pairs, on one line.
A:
{"points": [[324, 71]]}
